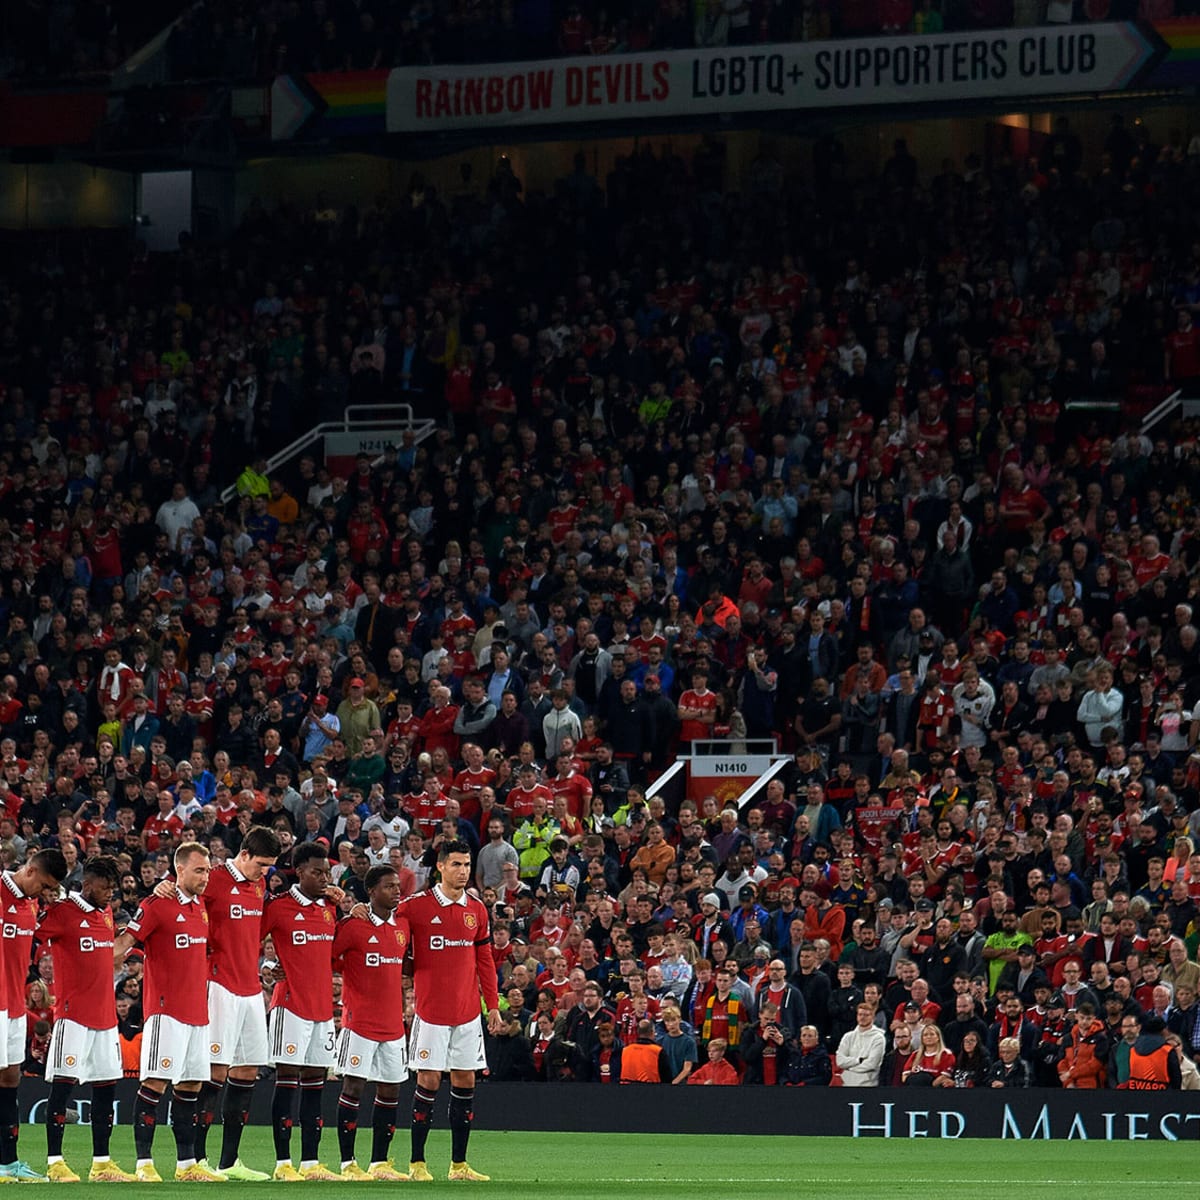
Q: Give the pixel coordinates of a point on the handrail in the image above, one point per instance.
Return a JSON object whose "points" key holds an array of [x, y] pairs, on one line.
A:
{"points": [[668, 776], [1161, 410], [398, 416], [750, 794], [747, 746]]}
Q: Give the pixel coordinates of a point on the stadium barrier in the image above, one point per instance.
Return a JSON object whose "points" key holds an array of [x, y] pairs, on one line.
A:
{"points": [[1007, 1114]]}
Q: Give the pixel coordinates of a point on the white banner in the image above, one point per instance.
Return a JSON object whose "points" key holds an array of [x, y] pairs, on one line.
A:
{"points": [[1046, 61]]}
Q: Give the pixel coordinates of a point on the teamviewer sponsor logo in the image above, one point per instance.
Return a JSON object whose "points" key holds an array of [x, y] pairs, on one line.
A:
{"points": [[445, 943], [437, 943], [86, 945], [10, 931], [235, 912], [382, 960], [181, 941]]}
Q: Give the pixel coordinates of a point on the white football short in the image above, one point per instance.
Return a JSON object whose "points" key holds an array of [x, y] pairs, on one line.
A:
{"points": [[174, 1051], [237, 1028], [14, 1040], [446, 1047], [83, 1054], [296, 1042], [365, 1058]]}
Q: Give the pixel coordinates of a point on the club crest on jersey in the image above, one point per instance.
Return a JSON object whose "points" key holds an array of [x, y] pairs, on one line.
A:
{"points": [[215, 1048], [69, 1060], [290, 1048], [400, 938], [165, 1064], [470, 920], [328, 917], [355, 1060], [108, 921]]}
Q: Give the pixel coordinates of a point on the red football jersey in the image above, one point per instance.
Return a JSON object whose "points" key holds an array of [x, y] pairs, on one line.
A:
{"points": [[81, 940], [20, 921], [689, 728], [303, 931], [452, 956], [174, 933], [520, 800], [235, 912], [577, 790], [370, 956]]}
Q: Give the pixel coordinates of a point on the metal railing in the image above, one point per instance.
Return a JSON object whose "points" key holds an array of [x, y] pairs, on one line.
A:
{"points": [[1162, 410], [751, 794], [394, 419]]}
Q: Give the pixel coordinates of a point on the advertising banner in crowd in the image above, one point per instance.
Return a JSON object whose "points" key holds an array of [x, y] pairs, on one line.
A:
{"points": [[1050, 60]]}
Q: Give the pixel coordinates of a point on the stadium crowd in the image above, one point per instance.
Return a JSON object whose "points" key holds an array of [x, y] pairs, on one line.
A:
{"points": [[797, 462], [244, 40]]}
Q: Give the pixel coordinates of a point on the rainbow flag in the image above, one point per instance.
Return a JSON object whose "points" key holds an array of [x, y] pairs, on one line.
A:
{"points": [[1181, 64]]}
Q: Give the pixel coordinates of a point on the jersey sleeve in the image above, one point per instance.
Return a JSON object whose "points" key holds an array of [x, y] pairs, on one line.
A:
{"points": [[51, 924], [485, 966], [145, 920], [344, 939]]}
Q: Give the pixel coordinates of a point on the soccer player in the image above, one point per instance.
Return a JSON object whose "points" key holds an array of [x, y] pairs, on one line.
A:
{"points": [[84, 1045], [370, 956], [302, 927], [173, 933], [237, 1020], [452, 962], [20, 891]]}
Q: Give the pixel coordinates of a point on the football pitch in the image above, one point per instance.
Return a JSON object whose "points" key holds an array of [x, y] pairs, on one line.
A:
{"points": [[585, 1166]]}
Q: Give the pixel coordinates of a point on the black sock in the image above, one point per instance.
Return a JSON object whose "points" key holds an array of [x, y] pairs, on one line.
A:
{"points": [[103, 1101], [56, 1116], [235, 1112], [9, 1125], [347, 1126], [383, 1125], [281, 1116], [206, 1113], [183, 1123], [422, 1119], [461, 1114], [311, 1092], [145, 1117]]}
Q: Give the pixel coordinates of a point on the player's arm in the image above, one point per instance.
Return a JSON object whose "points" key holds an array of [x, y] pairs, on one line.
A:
{"points": [[485, 971]]}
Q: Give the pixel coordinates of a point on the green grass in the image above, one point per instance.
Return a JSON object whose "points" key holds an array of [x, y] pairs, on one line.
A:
{"points": [[612, 1166]]}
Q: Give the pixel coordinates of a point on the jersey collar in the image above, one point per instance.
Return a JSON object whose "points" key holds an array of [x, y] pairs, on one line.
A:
{"points": [[232, 869], [185, 899], [300, 898], [391, 920], [12, 885], [444, 901]]}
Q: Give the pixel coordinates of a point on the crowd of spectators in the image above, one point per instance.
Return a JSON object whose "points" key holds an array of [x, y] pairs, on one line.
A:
{"points": [[244, 40], [796, 463]]}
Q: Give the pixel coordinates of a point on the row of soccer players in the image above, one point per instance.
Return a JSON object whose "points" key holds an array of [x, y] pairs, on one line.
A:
{"points": [[206, 1033]]}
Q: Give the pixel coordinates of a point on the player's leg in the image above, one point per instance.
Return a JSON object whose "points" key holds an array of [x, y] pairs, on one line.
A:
{"points": [[464, 1058], [99, 1064], [424, 1098], [156, 1059], [428, 1046], [235, 1112], [383, 1125], [207, 1104], [145, 1120], [238, 1028], [10, 1120], [387, 1065], [348, 1103], [56, 1123], [62, 1079], [312, 1090], [461, 1112], [185, 1102]]}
